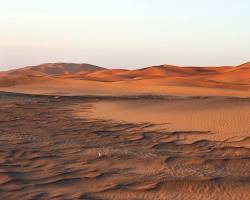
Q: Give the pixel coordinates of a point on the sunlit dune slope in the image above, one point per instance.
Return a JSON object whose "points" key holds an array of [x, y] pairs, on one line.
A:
{"points": [[81, 79]]}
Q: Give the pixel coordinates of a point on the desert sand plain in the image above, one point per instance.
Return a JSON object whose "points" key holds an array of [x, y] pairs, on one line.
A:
{"points": [[71, 131]]}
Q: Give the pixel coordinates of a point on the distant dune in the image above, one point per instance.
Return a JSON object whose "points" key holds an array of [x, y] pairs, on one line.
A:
{"points": [[55, 69], [86, 79]]}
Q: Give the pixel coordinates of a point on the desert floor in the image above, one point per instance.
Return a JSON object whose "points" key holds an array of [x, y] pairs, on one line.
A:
{"points": [[140, 147]]}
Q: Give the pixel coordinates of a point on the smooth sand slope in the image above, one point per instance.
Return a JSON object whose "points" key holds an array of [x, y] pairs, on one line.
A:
{"points": [[85, 79], [222, 118]]}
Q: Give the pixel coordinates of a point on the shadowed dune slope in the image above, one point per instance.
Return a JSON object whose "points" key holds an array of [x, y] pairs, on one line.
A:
{"points": [[56, 69]]}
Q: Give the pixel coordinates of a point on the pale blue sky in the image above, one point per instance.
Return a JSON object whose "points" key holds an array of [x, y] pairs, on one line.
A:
{"points": [[124, 33]]}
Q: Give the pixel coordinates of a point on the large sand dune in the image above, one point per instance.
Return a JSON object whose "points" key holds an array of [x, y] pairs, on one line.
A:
{"points": [[85, 79]]}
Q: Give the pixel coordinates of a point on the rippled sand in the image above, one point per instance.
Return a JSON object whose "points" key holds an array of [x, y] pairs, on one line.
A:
{"points": [[65, 148]]}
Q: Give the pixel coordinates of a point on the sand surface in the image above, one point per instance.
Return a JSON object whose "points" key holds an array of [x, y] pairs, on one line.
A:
{"points": [[55, 147], [222, 117]]}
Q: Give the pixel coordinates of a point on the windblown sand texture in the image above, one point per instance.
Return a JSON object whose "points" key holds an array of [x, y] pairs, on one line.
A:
{"points": [[54, 147]]}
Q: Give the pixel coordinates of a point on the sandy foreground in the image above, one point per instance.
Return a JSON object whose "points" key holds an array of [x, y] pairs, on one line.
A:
{"points": [[143, 147]]}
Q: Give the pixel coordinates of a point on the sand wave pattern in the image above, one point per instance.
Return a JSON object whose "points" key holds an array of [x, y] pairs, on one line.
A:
{"points": [[48, 153]]}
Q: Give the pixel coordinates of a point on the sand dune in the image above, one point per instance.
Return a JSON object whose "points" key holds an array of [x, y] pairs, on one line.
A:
{"points": [[56, 69], [85, 79]]}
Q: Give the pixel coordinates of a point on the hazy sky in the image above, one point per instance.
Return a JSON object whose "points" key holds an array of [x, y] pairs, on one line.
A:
{"points": [[124, 33]]}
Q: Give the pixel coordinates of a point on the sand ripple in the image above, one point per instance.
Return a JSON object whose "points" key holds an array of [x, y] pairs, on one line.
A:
{"points": [[46, 152]]}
